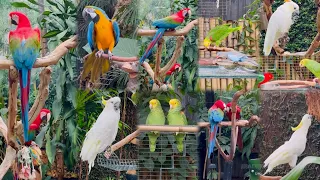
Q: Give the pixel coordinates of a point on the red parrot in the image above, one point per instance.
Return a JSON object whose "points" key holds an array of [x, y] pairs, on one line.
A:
{"points": [[25, 48], [238, 116], [167, 23], [44, 114], [267, 77], [174, 68]]}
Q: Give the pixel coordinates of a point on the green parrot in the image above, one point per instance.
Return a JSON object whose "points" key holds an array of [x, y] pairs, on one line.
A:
{"points": [[312, 65], [155, 117], [219, 33], [177, 117]]}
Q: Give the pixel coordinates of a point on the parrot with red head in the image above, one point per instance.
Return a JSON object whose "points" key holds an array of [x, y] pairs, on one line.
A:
{"points": [[44, 114], [238, 116], [167, 23], [24, 43], [267, 77], [215, 115], [175, 68]]}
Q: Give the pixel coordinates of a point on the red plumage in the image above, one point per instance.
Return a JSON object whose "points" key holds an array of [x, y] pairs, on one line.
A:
{"points": [[173, 68], [220, 104], [267, 77], [238, 116], [37, 122]]}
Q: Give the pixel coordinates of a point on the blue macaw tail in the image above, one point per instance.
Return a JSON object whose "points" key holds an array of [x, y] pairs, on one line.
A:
{"points": [[154, 41], [212, 140], [25, 88]]}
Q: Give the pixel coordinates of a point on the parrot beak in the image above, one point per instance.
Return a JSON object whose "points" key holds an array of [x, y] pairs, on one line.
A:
{"points": [[189, 13], [179, 69], [301, 65], [298, 127], [150, 106], [104, 102], [88, 13], [48, 117]]}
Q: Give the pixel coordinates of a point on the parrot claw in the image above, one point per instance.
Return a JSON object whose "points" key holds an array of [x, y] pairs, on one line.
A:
{"points": [[108, 152], [99, 53], [110, 55], [316, 80]]}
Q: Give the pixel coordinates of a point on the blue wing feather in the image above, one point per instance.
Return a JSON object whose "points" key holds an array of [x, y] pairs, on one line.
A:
{"points": [[165, 23], [90, 35], [116, 31]]}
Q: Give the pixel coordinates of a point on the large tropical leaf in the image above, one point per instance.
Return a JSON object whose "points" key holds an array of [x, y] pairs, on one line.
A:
{"points": [[295, 173], [126, 48]]}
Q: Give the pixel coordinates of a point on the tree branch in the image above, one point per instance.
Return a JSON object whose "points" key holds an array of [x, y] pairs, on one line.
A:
{"points": [[125, 140], [52, 59], [156, 78], [180, 32], [8, 161], [13, 88], [175, 56], [215, 48]]}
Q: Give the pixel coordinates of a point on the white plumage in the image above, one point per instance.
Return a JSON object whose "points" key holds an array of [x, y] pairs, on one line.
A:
{"points": [[102, 133], [279, 24], [292, 149]]}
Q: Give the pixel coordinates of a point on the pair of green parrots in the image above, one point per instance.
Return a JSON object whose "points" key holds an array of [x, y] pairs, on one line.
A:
{"points": [[175, 117]]}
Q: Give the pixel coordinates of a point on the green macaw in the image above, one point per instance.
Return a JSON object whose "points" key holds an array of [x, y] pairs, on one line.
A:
{"points": [[177, 117], [219, 33], [155, 117], [312, 66]]}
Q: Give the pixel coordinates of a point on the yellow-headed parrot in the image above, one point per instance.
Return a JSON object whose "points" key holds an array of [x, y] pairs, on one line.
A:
{"points": [[177, 117]]}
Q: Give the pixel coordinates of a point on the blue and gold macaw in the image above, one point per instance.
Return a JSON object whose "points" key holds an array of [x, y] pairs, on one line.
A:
{"points": [[103, 35]]}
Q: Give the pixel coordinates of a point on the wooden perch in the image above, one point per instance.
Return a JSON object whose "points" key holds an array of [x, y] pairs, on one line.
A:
{"points": [[117, 58], [8, 161], [52, 59], [156, 77], [174, 58], [316, 42], [287, 84], [180, 32], [215, 48], [242, 123], [125, 140], [12, 110]]}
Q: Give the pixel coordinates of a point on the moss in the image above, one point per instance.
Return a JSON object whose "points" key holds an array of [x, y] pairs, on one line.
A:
{"points": [[279, 111]]}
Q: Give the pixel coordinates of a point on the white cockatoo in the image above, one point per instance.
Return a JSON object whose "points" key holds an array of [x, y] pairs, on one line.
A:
{"points": [[279, 24], [292, 149], [103, 132]]}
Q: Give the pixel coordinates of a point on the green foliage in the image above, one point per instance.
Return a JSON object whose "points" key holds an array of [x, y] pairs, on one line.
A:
{"points": [[296, 172], [252, 16], [303, 31]]}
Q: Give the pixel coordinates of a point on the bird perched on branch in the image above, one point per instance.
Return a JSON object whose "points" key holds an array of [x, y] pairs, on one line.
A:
{"points": [[219, 33], [292, 149], [24, 43], [279, 24], [176, 117], [167, 23], [312, 66], [238, 116], [103, 35], [215, 115], [44, 114], [155, 117], [102, 133]]}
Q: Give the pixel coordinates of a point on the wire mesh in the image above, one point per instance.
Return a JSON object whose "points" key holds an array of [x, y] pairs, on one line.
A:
{"points": [[116, 164], [212, 8], [166, 162]]}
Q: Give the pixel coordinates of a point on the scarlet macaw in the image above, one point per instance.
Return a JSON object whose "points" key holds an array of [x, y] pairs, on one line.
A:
{"points": [[238, 116], [44, 114], [25, 47], [215, 115], [167, 23], [103, 34]]}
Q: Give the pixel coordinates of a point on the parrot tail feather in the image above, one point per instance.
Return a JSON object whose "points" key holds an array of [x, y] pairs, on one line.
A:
{"points": [[212, 140], [154, 41], [24, 76], [88, 64]]}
